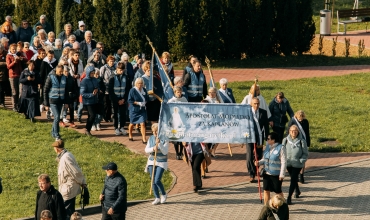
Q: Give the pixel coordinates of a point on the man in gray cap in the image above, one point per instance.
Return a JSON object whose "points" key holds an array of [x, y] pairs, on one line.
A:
{"points": [[114, 194]]}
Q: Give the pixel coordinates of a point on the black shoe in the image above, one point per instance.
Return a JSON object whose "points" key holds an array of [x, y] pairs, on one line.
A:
{"points": [[87, 133], [144, 142], [301, 178], [206, 170], [289, 200], [33, 120], [297, 193], [131, 139], [79, 120]]}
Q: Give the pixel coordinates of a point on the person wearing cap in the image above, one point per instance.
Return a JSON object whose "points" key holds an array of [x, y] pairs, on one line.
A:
{"points": [[89, 91], [44, 24], [80, 32], [114, 194], [70, 177], [48, 198], [54, 95]]}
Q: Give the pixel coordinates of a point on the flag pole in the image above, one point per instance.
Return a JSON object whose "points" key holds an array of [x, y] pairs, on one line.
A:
{"points": [[153, 171], [258, 173], [230, 151]]}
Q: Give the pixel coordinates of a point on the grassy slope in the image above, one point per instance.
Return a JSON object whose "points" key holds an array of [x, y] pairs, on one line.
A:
{"points": [[26, 152], [336, 107]]}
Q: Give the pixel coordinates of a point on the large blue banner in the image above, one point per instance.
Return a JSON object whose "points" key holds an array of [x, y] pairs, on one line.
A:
{"points": [[206, 122]]}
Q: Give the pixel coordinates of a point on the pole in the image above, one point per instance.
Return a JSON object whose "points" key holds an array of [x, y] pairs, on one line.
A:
{"points": [[153, 171], [258, 173], [231, 153]]}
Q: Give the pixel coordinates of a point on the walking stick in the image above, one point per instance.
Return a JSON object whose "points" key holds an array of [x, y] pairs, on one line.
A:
{"points": [[153, 170], [258, 173], [231, 153]]}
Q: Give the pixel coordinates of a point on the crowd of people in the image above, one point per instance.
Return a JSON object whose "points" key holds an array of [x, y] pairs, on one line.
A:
{"points": [[71, 72]]}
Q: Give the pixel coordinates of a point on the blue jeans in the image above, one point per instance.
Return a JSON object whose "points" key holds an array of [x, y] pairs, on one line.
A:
{"points": [[157, 184], [56, 109], [79, 111]]}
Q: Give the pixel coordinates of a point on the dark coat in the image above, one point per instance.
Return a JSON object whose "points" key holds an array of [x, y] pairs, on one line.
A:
{"points": [[80, 36], [46, 69], [71, 90], [3, 69], [84, 48], [87, 87], [24, 34], [306, 128], [55, 204], [264, 124], [12, 36], [115, 193], [267, 212], [63, 36], [29, 88], [47, 27], [279, 111]]}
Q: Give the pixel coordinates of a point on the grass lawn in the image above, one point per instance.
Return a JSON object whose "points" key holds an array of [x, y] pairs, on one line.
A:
{"points": [[336, 107], [26, 152]]}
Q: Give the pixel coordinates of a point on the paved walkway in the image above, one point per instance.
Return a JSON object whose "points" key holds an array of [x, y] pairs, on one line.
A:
{"points": [[240, 199]]}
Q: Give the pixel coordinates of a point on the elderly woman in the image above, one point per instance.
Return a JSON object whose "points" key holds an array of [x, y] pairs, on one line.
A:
{"points": [[29, 97], [5, 42], [274, 161], [256, 92], [177, 91], [51, 39], [58, 49], [46, 215], [275, 207], [129, 68], [212, 98], [300, 120], [8, 32], [297, 154], [137, 98], [158, 148], [35, 45], [153, 106], [279, 107], [65, 55], [70, 41], [226, 94]]}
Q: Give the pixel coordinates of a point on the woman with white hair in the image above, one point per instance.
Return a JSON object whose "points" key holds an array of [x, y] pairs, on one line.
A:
{"points": [[58, 48], [212, 96], [129, 68], [137, 98], [226, 94]]}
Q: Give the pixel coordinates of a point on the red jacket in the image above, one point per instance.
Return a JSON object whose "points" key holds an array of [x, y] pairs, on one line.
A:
{"points": [[15, 68]]}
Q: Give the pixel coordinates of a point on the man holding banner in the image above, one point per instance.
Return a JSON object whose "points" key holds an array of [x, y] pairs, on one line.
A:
{"points": [[195, 83], [261, 128]]}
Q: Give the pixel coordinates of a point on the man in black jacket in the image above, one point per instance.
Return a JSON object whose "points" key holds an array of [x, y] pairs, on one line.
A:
{"points": [[87, 46], [261, 130], [48, 198], [114, 194]]}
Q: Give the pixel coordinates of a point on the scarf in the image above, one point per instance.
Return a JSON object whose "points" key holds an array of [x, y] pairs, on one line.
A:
{"points": [[300, 128], [258, 126], [226, 95], [75, 65], [60, 155], [49, 61], [141, 93]]}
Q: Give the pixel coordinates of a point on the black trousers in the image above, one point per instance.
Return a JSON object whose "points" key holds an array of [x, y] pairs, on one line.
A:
{"points": [[195, 165], [115, 216], [107, 115], [252, 170], [178, 147], [293, 173], [121, 110], [2, 91], [195, 99], [280, 131], [71, 203], [71, 112], [91, 110]]}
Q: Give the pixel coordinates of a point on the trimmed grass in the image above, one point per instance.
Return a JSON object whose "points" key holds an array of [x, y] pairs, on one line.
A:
{"points": [[336, 107], [26, 152]]}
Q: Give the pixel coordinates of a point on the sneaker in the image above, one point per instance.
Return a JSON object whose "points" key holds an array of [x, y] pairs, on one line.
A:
{"points": [[48, 115], [163, 199], [156, 201], [93, 128], [2, 105], [122, 130], [72, 125], [61, 124], [58, 139], [76, 113], [118, 132], [65, 120], [41, 108], [15, 110], [98, 127]]}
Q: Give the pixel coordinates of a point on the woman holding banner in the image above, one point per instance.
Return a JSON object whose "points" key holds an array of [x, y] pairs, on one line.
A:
{"points": [[195, 154], [153, 106], [137, 98], [226, 94], [157, 151], [178, 98], [212, 98], [256, 92], [274, 161]]}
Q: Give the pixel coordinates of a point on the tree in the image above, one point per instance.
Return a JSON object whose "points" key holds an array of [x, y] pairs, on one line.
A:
{"points": [[26, 10], [81, 12], [137, 26], [107, 24], [306, 26], [47, 7], [159, 16], [6, 8]]}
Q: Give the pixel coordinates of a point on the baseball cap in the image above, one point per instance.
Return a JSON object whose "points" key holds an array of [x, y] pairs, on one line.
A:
{"points": [[81, 23], [58, 144], [110, 166]]}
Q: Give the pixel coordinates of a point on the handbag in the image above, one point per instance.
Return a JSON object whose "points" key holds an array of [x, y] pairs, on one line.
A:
{"points": [[85, 197]]}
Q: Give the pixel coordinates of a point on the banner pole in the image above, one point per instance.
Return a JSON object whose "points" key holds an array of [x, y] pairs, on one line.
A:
{"points": [[231, 153]]}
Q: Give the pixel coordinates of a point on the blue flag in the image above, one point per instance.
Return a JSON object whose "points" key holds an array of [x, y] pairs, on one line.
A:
{"points": [[166, 82], [206, 122]]}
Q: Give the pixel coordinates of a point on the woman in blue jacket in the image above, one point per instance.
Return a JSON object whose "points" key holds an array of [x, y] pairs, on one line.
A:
{"points": [[89, 89], [297, 154]]}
